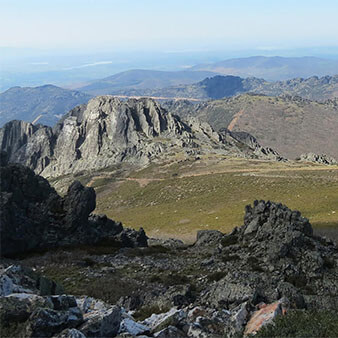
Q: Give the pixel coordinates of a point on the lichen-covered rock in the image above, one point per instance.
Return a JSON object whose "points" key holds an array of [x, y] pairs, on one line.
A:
{"points": [[102, 324], [70, 333], [208, 237], [130, 326], [17, 307], [157, 322], [45, 322], [170, 331]]}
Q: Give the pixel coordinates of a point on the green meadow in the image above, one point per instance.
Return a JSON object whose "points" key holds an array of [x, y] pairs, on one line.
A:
{"points": [[177, 199]]}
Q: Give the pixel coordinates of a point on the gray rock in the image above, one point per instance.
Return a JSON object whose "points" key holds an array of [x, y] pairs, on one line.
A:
{"points": [[132, 327], [102, 324], [17, 307], [169, 332], [316, 158], [108, 131], [46, 322], [70, 333], [208, 237]]}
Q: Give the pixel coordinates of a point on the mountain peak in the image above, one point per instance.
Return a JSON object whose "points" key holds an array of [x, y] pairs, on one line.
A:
{"points": [[108, 131]]}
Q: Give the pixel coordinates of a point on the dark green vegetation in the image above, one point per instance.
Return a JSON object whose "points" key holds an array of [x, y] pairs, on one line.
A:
{"points": [[88, 270], [297, 324], [44, 104], [290, 125], [178, 199]]}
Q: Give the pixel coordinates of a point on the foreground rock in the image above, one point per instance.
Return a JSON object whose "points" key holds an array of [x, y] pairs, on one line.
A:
{"points": [[223, 285], [33, 216]]}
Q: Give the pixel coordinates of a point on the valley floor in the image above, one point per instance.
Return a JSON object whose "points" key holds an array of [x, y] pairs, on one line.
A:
{"points": [[177, 198]]}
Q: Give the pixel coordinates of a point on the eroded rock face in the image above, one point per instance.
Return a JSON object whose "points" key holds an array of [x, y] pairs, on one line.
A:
{"points": [[108, 131], [33, 216]]}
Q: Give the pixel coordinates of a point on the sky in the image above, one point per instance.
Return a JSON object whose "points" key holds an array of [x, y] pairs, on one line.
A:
{"points": [[171, 26]]}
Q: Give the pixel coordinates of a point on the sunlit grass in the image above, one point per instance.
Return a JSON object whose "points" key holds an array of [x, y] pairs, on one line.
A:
{"points": [[179, 206]]}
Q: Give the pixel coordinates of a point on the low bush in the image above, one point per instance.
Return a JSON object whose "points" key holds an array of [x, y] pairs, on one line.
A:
{"points": [[298, 324]]}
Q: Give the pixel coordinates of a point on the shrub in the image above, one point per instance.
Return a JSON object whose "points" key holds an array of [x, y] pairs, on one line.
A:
{"points": [[216, 276], [302, 324], [147, 310]]}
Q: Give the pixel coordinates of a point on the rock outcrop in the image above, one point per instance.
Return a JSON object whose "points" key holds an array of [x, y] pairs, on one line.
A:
{"points": [[315, 158], [108, 131], [224, 285], [33, 216]]}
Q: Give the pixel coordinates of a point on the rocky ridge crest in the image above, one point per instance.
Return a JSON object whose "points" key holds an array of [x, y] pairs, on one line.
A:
{"points": [[108, 131]]}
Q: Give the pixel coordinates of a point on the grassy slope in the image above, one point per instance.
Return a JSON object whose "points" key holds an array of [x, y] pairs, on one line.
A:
{"points": [[178, 199]]}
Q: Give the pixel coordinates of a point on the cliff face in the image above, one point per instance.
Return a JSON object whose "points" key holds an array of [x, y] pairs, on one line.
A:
{"points": [[108, 131]]}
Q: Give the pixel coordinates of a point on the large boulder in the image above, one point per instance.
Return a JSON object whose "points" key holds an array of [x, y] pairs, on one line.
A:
{"points": [[34, 217], [275, 254]]}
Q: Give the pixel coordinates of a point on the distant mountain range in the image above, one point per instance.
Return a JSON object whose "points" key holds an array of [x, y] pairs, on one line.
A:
{"points": [[272, 68], [217, 87], [140, 79], [290, 125], [44, 104], [140, 82]]}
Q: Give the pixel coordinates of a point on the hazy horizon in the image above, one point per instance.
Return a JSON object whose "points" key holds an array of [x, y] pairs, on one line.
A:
{"points": [[168, 26], [73, 41]]}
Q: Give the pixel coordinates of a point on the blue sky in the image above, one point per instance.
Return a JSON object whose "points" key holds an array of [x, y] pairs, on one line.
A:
{"points": [[168, 25]]}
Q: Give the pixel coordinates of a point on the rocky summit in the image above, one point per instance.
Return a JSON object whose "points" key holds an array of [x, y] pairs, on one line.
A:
{"points": [[108, 131], [222, 285], [35, 217]]}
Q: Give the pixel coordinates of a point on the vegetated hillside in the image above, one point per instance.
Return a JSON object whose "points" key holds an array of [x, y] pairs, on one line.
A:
{"points": [[140, 79], [273, 68], [177, 198], [290, 125], [44, 104], [108, 131], [314, 88]]}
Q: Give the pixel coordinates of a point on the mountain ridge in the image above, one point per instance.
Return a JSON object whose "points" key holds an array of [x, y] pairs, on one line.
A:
{"points": [[142, 79], [273, 68], [109, 131], [289, 124], [44, 104], [219, 86]]}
